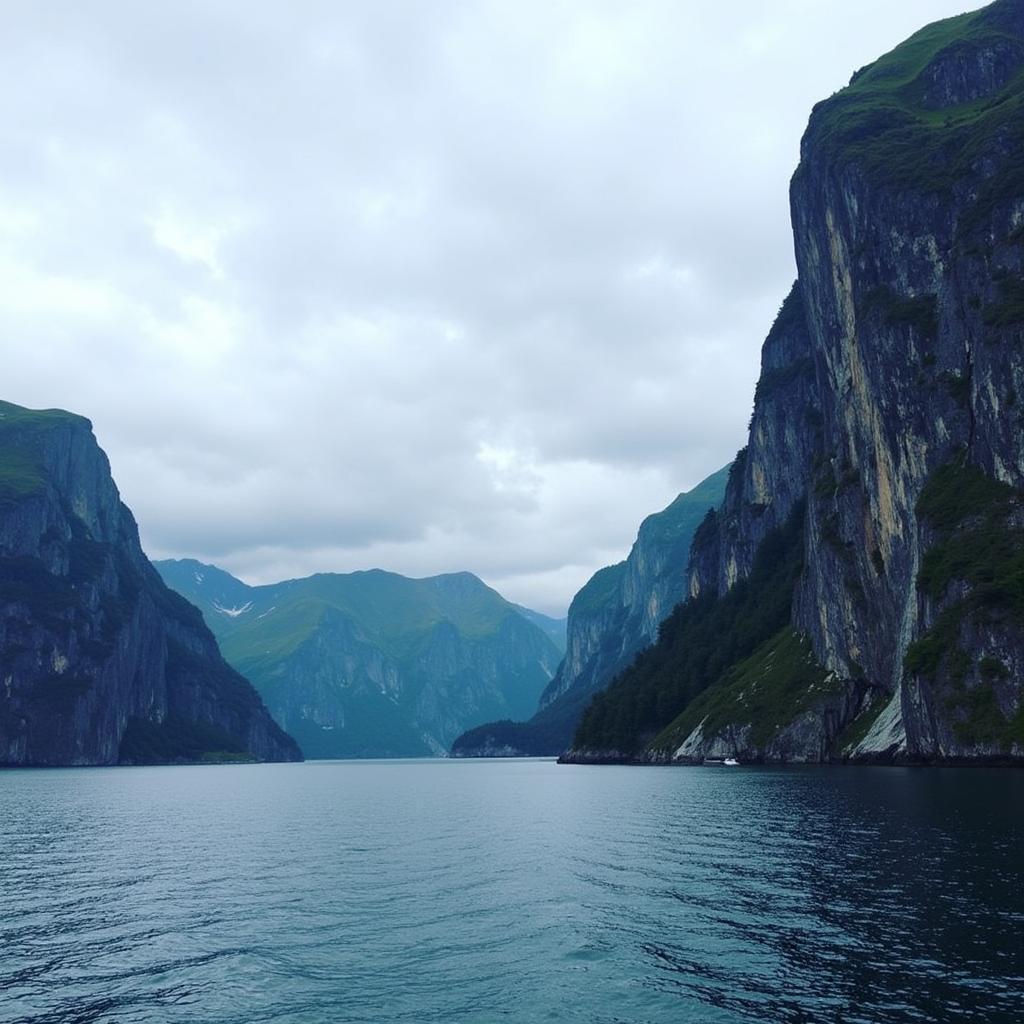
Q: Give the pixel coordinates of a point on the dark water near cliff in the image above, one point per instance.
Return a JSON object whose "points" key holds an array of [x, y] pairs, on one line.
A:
{"points": [[518, 891]]}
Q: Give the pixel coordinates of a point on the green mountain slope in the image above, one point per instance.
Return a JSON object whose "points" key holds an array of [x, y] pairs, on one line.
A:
{"points": [[614, 615], [373, 664], [922, 115], [554, 629]]}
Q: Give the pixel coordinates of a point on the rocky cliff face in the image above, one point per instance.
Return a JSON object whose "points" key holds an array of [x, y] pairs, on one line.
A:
{"points": [[619, 610], [373, 664], [910, 256], [770, 475], [616, 614], [99, 662], [892, 412]]}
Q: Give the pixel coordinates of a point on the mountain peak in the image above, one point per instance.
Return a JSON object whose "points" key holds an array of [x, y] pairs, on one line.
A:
{"points": [[371, 663], [921, 115]]}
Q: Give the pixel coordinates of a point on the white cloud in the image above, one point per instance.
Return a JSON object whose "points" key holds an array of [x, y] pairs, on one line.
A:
{"points": [[426, 286]]}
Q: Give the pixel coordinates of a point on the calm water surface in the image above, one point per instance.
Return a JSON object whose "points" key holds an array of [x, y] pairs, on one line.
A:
{"points": [[510, 891]]}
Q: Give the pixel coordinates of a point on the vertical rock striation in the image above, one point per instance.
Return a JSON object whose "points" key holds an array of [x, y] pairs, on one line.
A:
{"points": [[619, 610], [888, 418], [99, 662]]}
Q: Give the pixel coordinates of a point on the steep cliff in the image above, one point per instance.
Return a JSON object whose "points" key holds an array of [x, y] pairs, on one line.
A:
{"points": [[99, 662], [896, 451], [373, 664], [612, 617]]}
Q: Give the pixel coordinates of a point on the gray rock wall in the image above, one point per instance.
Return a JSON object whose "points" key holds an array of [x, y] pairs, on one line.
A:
{"points": [[90, 639], [907, 369]]}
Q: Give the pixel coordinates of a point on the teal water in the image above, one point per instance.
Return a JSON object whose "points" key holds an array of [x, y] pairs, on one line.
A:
{"points": [[511, 891]]}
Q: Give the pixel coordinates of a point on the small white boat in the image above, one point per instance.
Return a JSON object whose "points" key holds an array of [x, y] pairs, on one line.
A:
{"points": [[731, 762]]}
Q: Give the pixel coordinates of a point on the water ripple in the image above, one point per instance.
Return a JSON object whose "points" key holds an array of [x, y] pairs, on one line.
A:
{"points": [[428, 892]]}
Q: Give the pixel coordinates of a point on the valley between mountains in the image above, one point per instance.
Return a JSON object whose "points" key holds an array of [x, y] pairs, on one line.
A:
{"points": [[373, 664], [849, 589]]}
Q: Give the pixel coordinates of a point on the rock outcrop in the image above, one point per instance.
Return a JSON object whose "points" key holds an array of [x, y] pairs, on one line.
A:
{"points": [[888, 426], [99, 662]]}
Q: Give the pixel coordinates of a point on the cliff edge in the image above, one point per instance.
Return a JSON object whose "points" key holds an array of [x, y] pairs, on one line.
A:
{"points": [[860, 595], [99, 662]]}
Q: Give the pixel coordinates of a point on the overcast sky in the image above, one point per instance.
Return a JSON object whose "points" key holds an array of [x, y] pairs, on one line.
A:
{"points": [[425, 286]]}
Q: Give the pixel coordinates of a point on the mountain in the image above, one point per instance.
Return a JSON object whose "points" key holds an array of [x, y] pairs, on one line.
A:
{"points": [[860, 595], [615, 614], [373, 664], [554, 629], [100, 663]]}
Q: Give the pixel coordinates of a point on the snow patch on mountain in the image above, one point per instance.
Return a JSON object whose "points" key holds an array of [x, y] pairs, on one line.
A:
{"points": [[233, 612]]}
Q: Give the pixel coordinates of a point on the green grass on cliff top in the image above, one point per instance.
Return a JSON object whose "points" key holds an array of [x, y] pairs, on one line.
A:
{"points": [[599, 590], [21, 430], [674, 524], [880, 121], [684, 515]]}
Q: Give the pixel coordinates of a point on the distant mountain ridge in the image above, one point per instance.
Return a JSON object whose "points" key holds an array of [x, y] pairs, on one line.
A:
{"points": [[100, 663], [614, 615], [374, 664], [554, 629]]}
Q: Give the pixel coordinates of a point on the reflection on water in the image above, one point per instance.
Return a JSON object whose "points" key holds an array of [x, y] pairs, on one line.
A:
{"points": [[511, 890]]}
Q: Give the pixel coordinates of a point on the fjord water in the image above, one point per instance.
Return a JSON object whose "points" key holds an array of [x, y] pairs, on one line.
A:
{"points": [[466, 891]]}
